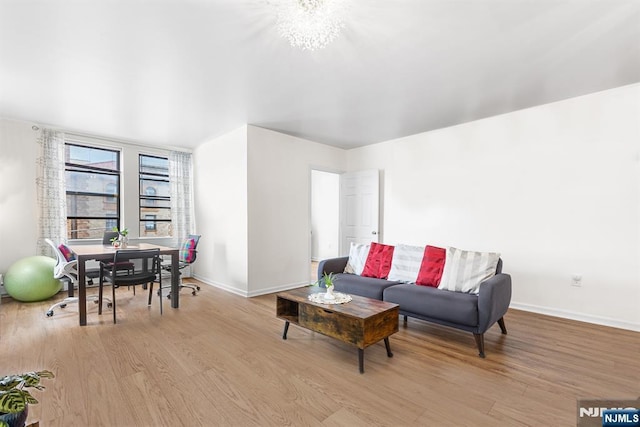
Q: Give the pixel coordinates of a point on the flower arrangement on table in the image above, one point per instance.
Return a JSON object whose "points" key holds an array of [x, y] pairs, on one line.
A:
{"points": [[329, 297], [121, 239]]}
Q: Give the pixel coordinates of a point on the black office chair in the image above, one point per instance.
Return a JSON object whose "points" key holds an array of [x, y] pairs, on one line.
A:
{"points": [[188, 252], [108, 236], [146, 271], [94, 273]]}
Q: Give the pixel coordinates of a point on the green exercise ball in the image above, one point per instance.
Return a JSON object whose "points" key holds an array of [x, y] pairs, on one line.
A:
{"points": [[31, 279]]}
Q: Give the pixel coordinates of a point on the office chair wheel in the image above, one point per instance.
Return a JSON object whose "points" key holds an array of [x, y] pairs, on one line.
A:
{"points": [[63, 305], [109, 304], [49, 313], [168, 296], [193, 293], [198, 288]]}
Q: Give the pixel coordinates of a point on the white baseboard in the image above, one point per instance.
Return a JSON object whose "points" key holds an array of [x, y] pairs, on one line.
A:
{"points": [[249, 294], [278, 289], [565, 314], [219, 285]]}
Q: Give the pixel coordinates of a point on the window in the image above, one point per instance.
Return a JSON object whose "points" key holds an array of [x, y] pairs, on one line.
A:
{"points": [[155, 198], [93, 190]]}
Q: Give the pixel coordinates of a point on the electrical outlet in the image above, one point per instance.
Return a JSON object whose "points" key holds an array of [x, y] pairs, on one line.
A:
{"points": [[576, 280]]}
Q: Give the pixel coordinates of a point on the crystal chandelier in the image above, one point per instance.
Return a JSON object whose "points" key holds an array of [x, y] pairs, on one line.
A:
{"points": [[310, 24]]}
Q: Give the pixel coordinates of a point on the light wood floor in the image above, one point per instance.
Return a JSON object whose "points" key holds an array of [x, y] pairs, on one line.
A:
{"points": [[220, 360]]}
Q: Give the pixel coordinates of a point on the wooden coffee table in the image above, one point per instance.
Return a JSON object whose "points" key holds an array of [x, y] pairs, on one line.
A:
{"points": [[361, 322]]}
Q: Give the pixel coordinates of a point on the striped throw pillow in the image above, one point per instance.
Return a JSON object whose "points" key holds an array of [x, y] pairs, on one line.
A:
{"points": [[406, 263], [465, 270], [358, 253]]}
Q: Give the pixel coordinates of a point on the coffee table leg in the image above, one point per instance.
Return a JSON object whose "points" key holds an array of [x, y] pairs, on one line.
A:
{"points": [[388, 346], [361, 360], [286, 328]]}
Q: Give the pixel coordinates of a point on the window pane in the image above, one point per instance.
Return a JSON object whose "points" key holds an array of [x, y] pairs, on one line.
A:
{"points": [[93, 206], [93, 157], [91, 182], [162, 229], [88, 228], [154, 188], [154, 165], [155, 203], [157, 213]]}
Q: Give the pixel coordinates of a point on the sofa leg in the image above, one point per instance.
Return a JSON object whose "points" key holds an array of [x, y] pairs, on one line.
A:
{"points": [[503, 328], [480, 343], [405, 319]]}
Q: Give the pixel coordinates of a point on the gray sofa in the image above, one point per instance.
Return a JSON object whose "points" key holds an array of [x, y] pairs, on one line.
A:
{"points": [[468, 312]]}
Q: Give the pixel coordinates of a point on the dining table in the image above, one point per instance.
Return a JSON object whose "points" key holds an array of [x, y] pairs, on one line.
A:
{"points": [[86, 253]]}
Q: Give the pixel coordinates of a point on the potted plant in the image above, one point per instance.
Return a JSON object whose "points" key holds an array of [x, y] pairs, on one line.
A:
{"points": [[15, 398], [328, 283], [122, 238]]}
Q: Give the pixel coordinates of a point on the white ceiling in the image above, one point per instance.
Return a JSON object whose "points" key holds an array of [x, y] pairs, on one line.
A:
{"points": [[178, 72]]}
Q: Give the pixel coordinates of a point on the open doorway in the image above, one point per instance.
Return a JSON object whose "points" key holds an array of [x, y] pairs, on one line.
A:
{"points": [[325, 217]]}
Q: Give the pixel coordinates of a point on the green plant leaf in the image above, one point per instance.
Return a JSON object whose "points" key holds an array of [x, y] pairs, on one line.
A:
{"points": [[13, 400], [45, 374]]}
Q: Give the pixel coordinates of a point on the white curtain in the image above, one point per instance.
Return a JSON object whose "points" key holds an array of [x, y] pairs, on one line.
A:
{"points": [[181, 183], [50, 181]]}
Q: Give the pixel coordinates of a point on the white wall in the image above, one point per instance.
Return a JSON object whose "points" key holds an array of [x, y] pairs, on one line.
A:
{"points": [[220, 193], [325, 214], [279, 206], [555, 189], [18, 198]]}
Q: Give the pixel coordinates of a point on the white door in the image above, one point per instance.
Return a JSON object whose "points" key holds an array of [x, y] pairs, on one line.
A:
{"points": [[359, 208]]}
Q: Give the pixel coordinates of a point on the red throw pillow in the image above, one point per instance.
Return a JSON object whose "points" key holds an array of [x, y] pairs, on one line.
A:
{"points": [[378, 262], [432, 266]]}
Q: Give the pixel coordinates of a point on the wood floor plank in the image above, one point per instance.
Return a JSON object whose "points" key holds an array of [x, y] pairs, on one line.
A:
{"points": [[220, 360]]}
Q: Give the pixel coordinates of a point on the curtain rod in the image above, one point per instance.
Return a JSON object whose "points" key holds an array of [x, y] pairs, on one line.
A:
{"points": [[113, 139]]}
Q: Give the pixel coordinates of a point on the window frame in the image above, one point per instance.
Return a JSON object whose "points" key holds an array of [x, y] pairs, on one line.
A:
{"points": [[72, 232], [144, 220]]}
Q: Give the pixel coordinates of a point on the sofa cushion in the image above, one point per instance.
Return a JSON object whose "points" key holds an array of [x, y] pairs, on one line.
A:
{"points": [[358, 253], [364, 286], [406, 263], [454, 307], [465, 270], [378, 262], [432, 266]]}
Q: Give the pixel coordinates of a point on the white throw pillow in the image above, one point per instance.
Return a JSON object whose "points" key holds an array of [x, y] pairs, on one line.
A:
{"points": [[465, 270], [406, 263], [358, 253]]}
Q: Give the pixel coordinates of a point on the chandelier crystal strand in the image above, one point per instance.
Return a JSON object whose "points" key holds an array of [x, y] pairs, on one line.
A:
{"points": [[311, 24]]}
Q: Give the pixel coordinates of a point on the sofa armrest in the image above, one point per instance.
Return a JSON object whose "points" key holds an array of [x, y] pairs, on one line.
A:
{"points": [[493, 300], [331, 265]]}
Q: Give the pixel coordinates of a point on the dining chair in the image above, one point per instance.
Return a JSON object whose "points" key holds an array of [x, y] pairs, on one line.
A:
{"points": [[145, 271], [67, 267], [94, 273], [187, 256]]}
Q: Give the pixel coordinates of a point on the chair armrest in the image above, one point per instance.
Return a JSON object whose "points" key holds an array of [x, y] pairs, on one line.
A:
{"points": [[332, 265], [493, 300]]}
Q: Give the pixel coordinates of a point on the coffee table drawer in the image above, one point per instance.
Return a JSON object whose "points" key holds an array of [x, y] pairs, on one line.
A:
{"points": [[333, 324]]}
